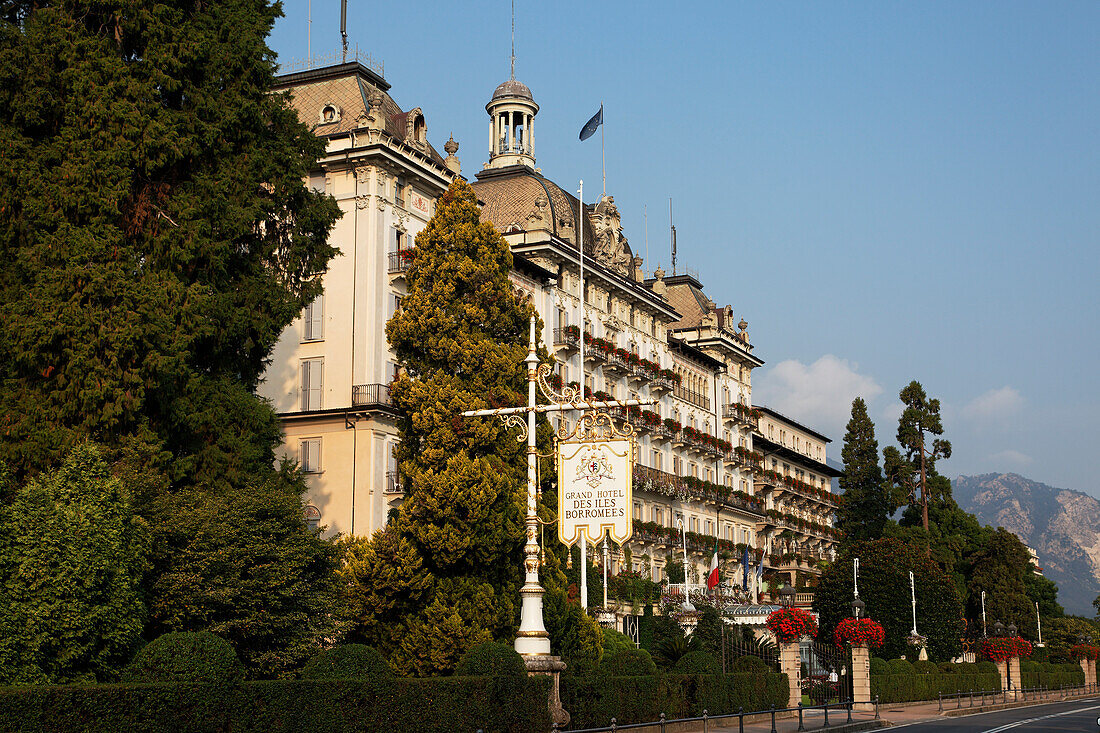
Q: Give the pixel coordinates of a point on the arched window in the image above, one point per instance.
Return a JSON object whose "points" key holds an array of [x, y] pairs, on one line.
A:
{"points": [[312, 517]]}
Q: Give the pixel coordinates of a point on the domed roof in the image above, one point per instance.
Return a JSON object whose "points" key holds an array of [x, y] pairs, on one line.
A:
{"points": [[513, 88], [511, 196]]}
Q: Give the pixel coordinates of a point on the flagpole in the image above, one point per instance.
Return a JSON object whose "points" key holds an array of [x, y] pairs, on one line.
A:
{"points": [[603, 151], [579, 229]]}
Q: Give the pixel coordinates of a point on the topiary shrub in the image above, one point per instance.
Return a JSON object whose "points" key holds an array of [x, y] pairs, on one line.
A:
{"points": [[987, 667], [185, 657], [347, 661], [698, 663], [925, 667], [967, 668], [947, 668], [749, 663], [628, 663], [879, 666], [491, 658], [899, 666], [615, 641], [1029, 667]]}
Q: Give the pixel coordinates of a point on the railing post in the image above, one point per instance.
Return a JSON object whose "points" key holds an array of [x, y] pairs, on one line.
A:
{"points": [[826, 715], [662, 723], [876, 707], [849, 711], [614, 725], [773, 730], [704, 720], [800, 726], [940, 695], [740, 720]]}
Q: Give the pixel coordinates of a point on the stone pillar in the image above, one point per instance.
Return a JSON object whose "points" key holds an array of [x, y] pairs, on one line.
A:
{"points": [[1092, 677], [1002, 670], [1015, 679], [1085, 668], [790, 664], [551, 667], [861, 678]]}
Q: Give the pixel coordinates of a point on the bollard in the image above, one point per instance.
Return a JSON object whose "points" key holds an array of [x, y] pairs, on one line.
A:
{"points": [[800, 726]]}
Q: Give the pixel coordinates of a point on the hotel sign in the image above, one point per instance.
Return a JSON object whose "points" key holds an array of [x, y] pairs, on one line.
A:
{"points": [[595, 485]]}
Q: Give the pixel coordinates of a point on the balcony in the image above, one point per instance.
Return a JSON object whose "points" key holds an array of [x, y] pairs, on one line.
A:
{"points": [[616, 366], [565, 339], [399, 261], [689, 488], [394, 485], [695, 398], [743, 416], [371, 395]]}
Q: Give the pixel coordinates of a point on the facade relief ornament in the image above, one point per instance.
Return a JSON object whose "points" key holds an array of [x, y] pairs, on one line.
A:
{"points": [[362, 173], [362, 202], [611, 247], [539, 218]]}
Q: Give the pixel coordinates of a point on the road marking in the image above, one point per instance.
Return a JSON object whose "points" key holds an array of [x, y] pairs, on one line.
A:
{"points": [[1043, 717], [987, 712]]}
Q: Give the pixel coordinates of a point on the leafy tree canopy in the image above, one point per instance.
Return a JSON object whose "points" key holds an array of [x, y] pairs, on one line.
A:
{"points": [[72, 557], [999, 569], [884, 567]]}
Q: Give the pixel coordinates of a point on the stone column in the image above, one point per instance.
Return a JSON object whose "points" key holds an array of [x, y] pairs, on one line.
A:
{"points": [[790, 664], [1085, 668], [1002, 670], [1015, 678], [1092, 677], [861, 678]]}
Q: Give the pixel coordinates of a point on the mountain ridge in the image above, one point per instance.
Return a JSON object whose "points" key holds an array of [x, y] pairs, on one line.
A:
{"points": [[1062, 525]]}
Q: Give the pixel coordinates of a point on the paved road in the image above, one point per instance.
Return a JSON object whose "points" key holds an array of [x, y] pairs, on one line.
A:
{"points": [[1073, 716]]}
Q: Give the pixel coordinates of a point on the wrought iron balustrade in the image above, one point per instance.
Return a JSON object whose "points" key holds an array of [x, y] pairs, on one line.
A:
{"points": [[365, 395]]}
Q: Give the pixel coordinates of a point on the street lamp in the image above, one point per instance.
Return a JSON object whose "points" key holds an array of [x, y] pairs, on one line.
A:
{"points": [[786, 596], [858, 608], [1012, 630], [687, 606], [998, 629]]}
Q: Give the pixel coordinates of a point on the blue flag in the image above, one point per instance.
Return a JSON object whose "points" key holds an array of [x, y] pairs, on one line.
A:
{"points": [[589, 128], [745, 568]]}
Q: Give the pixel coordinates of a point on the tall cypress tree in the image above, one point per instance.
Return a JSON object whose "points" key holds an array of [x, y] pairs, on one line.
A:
{"points": [[445, 572], [865, 504], [155, 231], [156, 237]]}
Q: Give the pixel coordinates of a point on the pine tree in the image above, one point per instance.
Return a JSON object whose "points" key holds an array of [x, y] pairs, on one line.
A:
{"points": [[999, 569], [445, 572], [865, 504], [913, 472], [72, 557]]}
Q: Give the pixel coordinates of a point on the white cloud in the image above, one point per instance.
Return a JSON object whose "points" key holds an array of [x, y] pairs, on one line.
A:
{"points": [[1012, 456], [818, 395], [996, 404]]}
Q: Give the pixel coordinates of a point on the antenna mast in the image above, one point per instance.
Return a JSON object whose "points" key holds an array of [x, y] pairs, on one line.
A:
{"points": [[513, 76], [344, 28], [673, 227]]}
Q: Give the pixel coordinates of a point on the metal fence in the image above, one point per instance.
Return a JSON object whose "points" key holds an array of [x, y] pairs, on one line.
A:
{"points": [[995, 697]]}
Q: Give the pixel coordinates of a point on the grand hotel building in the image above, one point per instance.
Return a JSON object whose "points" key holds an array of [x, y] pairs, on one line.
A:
{"points": [[707, 458]]}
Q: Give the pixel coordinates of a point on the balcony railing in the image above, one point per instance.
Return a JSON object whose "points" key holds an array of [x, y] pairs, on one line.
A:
{"points": [[695, 398], [742, 415], [669, 484], [393, 483], [368, 395], [565, 337], [399, 260]]}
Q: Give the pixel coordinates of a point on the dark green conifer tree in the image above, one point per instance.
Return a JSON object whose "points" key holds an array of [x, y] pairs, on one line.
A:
{"points": [[156, 238], [866, 503], [912, 470], [999, 568]]}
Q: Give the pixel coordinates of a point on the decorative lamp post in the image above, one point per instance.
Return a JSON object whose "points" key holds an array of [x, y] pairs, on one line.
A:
{"points": [[858, 608], [687, 607], [998, 628], [1012, 630], [786, 596], [985, 632], [1038, 625]]}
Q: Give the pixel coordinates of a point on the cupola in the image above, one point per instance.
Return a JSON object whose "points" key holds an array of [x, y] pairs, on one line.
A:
{"points": [[512, 113]]}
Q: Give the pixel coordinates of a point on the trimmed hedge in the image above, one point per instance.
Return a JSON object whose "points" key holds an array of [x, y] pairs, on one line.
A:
{"points": [[1052, 675], [440, 704], [925, 667], [195, 657], [697, 663], [492, 658], [347, 661], [908, 687], [628, 663], [900, 666], [879, 666], [593, 700]]}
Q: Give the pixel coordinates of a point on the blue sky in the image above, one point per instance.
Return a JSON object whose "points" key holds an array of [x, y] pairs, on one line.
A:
{"points": [[885, 191]]}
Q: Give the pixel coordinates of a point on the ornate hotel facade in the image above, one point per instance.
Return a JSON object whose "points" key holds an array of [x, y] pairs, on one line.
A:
{"points": [[706, 459]]}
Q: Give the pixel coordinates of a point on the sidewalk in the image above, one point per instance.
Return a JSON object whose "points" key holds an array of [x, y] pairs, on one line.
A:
{"points": [[890, 714]]}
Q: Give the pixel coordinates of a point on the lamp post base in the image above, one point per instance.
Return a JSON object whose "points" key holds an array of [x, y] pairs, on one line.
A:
{"points": [[552, 667]]}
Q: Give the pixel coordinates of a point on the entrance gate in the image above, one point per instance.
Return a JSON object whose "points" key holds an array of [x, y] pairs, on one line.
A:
{"points": [[828, 673]]}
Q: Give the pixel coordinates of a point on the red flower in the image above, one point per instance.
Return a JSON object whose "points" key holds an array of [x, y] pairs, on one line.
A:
{"points": [[1084, 651], [1000, 648], [791, 624], [859, 632]]}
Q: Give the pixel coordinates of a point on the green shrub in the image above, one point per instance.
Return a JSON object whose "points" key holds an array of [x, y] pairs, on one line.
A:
{"points": [[493, 659], [1029, 667], [900, 666], [879, 666], [185, 657], [987, 667], [947, 668], [969, 668], [749, 663], [925, 667], [698, 663], [906, 687], [614, 641], [1052, 675], [428, 705], [628, 663], [347, 661]]}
